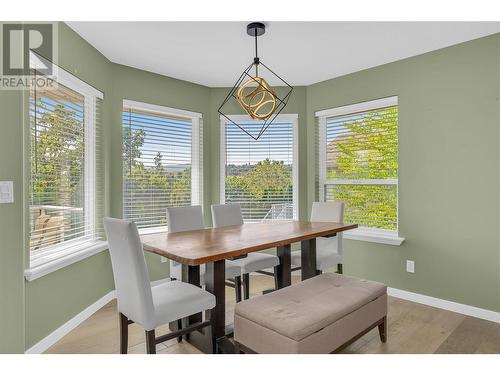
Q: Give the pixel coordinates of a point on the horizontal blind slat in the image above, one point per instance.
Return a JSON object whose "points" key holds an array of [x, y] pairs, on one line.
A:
{"points": [[58, 121], [258, 174], [157, 165]]}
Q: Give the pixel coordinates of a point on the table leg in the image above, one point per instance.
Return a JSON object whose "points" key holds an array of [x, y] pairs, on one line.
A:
{"points": [[285, 267], [308, 259], [216, 284], [191, 274]]}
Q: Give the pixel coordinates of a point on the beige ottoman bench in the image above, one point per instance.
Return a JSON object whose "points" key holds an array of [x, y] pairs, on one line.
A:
{"points": [[319, 315]]}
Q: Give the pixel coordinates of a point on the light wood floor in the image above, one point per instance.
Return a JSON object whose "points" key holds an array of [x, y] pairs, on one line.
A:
{"points": [[413, 328]]}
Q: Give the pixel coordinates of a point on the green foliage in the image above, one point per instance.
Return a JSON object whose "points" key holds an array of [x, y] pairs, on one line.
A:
{"points": [[56, 155], [132, 143], [267, 178], [368, 149], [368, 205], [259, 187], [154, 187]]}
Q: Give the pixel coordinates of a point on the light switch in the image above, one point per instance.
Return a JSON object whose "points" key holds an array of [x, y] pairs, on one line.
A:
{"points": [[6, 192], [410, 266]]}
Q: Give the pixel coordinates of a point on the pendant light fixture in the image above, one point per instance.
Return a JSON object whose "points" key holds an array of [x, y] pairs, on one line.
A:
{"points": [[253, 93]]}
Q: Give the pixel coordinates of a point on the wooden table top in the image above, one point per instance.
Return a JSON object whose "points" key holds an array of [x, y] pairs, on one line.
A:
{"points": [[209, 245]]}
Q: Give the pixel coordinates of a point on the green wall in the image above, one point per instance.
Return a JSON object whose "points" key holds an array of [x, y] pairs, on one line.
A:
{"points": [[449, 177], [11, 225], [449, 120]]}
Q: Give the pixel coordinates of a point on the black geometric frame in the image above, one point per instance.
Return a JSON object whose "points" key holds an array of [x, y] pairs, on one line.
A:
{"points": [[282, 101]]}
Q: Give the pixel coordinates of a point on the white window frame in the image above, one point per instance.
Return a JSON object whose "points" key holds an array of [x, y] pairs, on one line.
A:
{"points": [[293, 118], [52, 258], [196, 150], [390, 237]]}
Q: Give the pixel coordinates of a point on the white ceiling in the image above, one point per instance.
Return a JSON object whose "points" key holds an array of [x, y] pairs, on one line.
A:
{"points": [[215, 53]]}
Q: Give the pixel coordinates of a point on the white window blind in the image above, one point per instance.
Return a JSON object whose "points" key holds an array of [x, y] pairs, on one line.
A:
{"points": [[358, 147], [66, 179], [260, 175], [162, 162]]}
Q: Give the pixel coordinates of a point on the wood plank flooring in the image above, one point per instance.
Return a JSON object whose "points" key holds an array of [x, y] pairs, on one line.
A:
{"points": [[413, 328]]}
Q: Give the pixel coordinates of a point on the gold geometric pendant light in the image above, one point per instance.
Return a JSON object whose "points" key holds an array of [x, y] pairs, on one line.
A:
{"points": [[254, 94]]}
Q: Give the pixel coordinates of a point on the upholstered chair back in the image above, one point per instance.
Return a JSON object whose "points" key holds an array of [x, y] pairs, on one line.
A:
{"points": [[181, 219], [130, 272], [329, 212], [224, 215]]}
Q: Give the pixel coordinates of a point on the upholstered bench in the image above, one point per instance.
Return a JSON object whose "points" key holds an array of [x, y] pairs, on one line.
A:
{"points": [[319, 315]]}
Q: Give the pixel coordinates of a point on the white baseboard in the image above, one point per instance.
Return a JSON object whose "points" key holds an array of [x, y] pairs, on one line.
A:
{"points": [[71, 324], [476, 312], [74, 322]]}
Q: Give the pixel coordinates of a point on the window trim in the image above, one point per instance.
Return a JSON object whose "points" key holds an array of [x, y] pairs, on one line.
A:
{"points": [[384, 236], [293, 118], [358, 107], [196, 151], [52, 258], [160, 109]]}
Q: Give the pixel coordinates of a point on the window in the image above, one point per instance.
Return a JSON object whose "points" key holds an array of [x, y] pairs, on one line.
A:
{"points": [[260, 175], [162, 161], [66, 180], [358, 163]]}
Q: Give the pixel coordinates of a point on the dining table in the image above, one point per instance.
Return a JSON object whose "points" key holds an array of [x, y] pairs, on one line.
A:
{"points": [[211, 247]]}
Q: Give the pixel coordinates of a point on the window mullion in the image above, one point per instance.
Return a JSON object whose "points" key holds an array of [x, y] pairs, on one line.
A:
{"points": [[89, 164]]}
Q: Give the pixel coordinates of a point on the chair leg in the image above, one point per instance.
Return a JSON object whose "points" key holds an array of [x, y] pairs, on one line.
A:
{"points": [[340, 268], [150, 342], [246, 286], [237, 288], [179, 327], [382, 330], [123, 334]]}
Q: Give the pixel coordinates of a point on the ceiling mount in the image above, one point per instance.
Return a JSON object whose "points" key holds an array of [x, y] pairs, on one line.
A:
{"points": [[256, 29]]}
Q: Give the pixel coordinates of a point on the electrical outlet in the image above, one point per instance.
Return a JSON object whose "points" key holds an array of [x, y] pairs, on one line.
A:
{"points": [[410, 266], [163, 260]]}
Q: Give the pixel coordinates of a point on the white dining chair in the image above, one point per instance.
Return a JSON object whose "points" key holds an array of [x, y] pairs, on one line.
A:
{"points": [[328, 249], [181, 219], [224, 215], [141, 303]]}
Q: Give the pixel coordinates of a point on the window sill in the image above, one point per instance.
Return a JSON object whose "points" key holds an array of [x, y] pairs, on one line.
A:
{"points": [[376, 236], [47, 264]]}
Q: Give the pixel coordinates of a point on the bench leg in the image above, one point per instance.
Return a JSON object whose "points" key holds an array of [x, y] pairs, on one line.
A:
{"points": [[382, 329]]}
